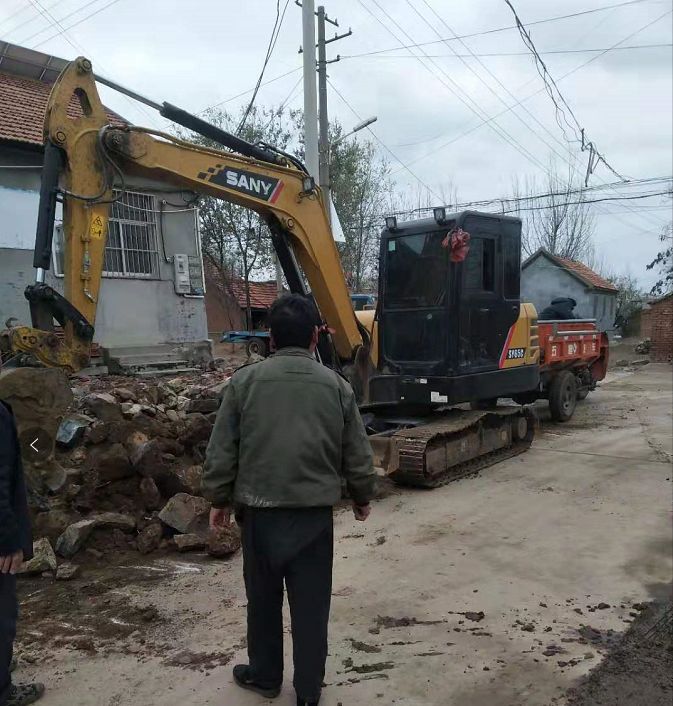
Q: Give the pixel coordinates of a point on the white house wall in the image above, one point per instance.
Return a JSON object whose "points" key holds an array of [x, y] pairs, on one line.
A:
{"points": [[130, 311]]}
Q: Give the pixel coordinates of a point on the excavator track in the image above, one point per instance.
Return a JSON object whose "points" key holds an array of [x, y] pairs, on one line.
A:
{"points": [[458, 445]]}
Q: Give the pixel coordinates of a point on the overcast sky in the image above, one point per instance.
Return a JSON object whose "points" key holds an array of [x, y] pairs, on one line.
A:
{"points": [[203, 53]]}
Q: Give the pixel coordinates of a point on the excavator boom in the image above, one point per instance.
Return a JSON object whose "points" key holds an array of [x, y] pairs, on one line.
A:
{"points": [[93, 158]]}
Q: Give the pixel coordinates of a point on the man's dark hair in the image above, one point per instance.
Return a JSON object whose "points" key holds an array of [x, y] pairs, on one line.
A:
{"points": [[292, 319]]}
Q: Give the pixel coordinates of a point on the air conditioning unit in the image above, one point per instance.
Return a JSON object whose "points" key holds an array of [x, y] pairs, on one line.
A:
{"points": [[181, 274]]}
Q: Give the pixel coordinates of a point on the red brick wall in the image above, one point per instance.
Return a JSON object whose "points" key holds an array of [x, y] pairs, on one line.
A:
{"points": [[646, 323], [662, 330]]}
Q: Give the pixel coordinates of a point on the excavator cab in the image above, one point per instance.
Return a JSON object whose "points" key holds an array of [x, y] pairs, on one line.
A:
{"points": [[451, 327]]}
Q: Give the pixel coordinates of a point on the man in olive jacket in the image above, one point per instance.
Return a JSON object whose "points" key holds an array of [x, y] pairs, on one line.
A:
{"points": [[287, 432], [16, 545]]}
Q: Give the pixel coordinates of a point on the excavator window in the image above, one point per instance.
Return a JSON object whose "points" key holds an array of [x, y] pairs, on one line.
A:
{"points": [[416, 271]]}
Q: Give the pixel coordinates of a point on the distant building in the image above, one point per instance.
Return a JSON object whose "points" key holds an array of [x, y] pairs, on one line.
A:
{"points": [[141, 305], [656, 323], [226, 303], [545, 276]]}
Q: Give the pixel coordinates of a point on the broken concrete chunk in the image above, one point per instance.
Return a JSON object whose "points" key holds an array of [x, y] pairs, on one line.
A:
{"points": [[189, 542], [186, 514], [74, 537], [67, 571], [193, 476], [204, 406], [71, 430], [103, 406], [151, 497], [223, 541], [110, 462], [197, 428], [43, 559], [150, 538]]}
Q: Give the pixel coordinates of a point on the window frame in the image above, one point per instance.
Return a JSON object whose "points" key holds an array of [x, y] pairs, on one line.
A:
{"points": [[144, 202]]}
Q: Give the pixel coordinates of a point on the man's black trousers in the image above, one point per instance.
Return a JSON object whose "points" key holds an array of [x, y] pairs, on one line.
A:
{"points": [[8, 614], [294, 546]]}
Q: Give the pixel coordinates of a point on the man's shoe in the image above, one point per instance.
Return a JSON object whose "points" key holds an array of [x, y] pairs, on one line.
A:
{"points": [[307, 702], [245, 681], [24, 694]]}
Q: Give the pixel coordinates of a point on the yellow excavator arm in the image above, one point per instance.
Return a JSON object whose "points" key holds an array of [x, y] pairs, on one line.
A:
{"points": [[89, 153]]}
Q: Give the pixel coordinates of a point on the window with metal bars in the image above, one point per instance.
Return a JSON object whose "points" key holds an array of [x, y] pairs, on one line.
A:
{"points": [[131, 250]]}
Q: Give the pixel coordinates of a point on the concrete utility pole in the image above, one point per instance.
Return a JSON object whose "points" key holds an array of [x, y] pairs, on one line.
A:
{"points": [[323, 140], [310, 97]]}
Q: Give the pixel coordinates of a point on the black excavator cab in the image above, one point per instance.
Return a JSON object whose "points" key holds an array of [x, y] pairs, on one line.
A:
{"points": [[443, 325]]}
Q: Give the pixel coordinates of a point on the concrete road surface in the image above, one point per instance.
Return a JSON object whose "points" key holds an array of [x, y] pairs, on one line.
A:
{"points": [[556, 548]]}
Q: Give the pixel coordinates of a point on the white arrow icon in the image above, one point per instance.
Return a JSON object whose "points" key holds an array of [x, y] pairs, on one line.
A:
{"points": [[32, 444]]}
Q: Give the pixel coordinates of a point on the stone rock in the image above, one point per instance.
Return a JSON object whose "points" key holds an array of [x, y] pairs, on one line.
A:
{"points": [[640, 361], [71, 430], [78, 456], [124, 394], [148, 409], [43, 559], [197, 428], [130, 409], [189, 542], [51, 524], [54, 476], [150, 495], [103, 406], [74, 536], [204, 406], [147, 457], [97, 434], [621, 363], [218, 389], [187, 514], [193, 476], [67, 571], [110, 462], [223, 541], [644, 347], [172, 415], [181, 403], [40, 397], [150, 538]]}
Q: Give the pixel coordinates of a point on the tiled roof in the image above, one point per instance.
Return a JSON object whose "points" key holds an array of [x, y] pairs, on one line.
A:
{"points": [[587, 274], [577, 269], [262, 294], [22, 105]]}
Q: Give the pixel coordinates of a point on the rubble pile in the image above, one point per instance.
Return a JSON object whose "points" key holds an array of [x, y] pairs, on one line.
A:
{"points": [[131, 452]]}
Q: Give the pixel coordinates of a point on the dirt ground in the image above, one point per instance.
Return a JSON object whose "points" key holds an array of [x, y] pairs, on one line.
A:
{"points": [[503, 589]]}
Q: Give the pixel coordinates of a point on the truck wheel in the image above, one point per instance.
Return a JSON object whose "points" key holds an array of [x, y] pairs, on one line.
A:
{"points": [[484, 404], [562, 396], [256, 346]]}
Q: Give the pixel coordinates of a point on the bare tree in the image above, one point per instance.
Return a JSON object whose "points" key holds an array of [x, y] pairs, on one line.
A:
{"points": [[663, 263], [561, 221], [235, 239]]}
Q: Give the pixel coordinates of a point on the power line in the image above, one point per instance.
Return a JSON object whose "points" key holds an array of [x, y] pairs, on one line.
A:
{"points": [[375, 136], [502, 85], [278, 23], [535, 93], [504, 29], [595, 157], [49, 25], [63, 31], [250, 90], [507, 54], [455, 88]]}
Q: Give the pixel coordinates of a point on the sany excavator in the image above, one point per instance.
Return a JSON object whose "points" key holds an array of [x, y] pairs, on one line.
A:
{"points": [[449, 326]]}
